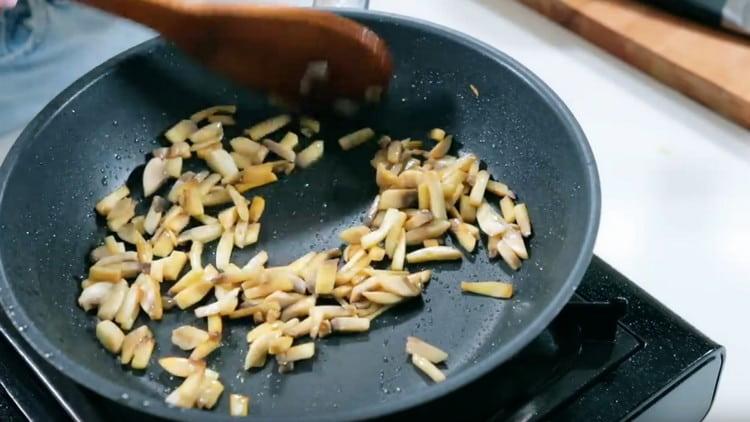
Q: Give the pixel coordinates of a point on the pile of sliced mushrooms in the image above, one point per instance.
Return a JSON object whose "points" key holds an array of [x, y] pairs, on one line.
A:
{"points": [[425, 194]]}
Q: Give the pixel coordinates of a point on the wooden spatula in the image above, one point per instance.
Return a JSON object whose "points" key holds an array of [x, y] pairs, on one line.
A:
{"points": [[280, 50]]}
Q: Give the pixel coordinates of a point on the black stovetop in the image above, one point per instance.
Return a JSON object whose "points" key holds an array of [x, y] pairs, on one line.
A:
{"points": [[614, 353]]}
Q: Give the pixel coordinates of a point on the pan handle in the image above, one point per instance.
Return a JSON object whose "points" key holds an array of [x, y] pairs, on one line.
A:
{"points": [[351, 4]]}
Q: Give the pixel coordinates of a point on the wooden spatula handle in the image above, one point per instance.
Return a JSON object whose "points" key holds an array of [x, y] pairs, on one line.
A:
{"points": [[267, 47], [164, 16]]}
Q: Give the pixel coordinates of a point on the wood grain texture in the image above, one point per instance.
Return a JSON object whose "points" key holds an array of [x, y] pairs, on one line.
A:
{"points": [[267, 47], [707, 65]]}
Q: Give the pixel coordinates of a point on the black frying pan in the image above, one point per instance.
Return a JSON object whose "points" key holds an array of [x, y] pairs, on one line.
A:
{"points": [[91, 137]]}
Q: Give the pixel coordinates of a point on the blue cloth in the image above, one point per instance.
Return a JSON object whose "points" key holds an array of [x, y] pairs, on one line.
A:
{"points": [[45, 45]]}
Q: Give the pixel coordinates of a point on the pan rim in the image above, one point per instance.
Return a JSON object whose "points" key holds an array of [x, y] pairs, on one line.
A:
{"points": [[109, 389]]}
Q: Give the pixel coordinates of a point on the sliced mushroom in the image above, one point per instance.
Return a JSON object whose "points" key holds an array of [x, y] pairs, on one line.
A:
{"points": [[350, 324], [397, 198], [181, 367], [109, 335], [210, 111], [181, 131], [522, 218], [154, 175], [480, 185], [417, 346], [188, 337], [490, 221], [432, 230], [208, 133], [188, 392], [428, 368], [508, 255], [514, 239], [435, 253], [94, 295], [105, 205], [221, 162], [311, 154], [286, 153], [238, 405], [268, 126], [496, 289]]}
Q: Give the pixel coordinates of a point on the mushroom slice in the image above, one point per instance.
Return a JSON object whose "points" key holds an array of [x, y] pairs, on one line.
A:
{"points": [[397, 198], [325, 277], [120, 214], [490, 221], [500, 189], [174, 264], [420, 218], [432, 230], [188, 337], [468, 211], [510, 257], [204, 234], [221, 162], [442, 147], [464, 234], [298, 352], [188, 392], [268, 126], [256, 354], [142, 354], [522, 218], [399, 285], [109, 335], [208, 133], [131, 342], [480, 185], [399, 254], [210, 111], [350, 324], [286, 153], [112, 301], [257, 206], [154, 175], [222, 306], [507, 207], [150, 298], [435, 253], [193, 294], [105, 205], [181, 131], [496, 289], [181, 367], [417, 346], [224, 249], [382, 298], [428, 368], [355, 139], [311, 154], [307, 122], [238, 405], [240, 203], [128, 312], [155, 212], [514, 239], [437, 134], [436, 195], [392, 217]]}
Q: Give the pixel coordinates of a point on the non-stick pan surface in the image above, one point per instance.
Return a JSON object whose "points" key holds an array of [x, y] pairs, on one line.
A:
{"points": [[91, 137]]}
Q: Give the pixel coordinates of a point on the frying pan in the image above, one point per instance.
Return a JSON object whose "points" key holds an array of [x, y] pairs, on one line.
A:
{"points": [[89, 139]]}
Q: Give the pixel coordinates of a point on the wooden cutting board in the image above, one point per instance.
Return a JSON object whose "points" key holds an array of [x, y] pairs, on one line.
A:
{"points": [[707, 65]]}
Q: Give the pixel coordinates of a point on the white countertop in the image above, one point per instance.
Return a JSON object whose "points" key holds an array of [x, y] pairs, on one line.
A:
{"points": [[676, 203]]}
